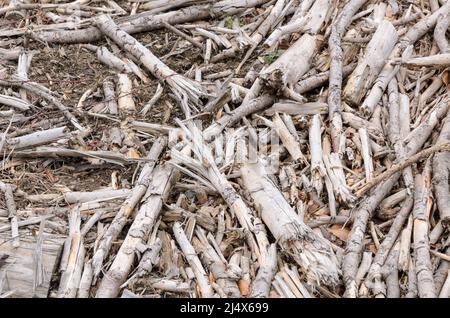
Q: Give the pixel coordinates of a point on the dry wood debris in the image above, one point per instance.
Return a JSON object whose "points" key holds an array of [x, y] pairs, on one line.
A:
{"points": [[234, 148]]}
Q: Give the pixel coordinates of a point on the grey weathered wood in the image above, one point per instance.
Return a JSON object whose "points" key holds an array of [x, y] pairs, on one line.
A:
{"points": [[18, 271]]}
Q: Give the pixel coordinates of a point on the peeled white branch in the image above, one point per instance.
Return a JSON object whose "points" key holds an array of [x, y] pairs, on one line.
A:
{"points": [[14, 102], [125, 99], [73, 258], [292, 64], [310, 251], [193, 260], [377, 51], [441, 60]]}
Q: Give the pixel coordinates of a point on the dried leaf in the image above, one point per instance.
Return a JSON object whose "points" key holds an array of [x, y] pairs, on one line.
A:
{"points": [[133, 153], [339, 231], [445, 77], [244, 288], [373, 248]]}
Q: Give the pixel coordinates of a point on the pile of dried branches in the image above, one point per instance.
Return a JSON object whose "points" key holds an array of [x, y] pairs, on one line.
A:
{"points": [[303, 150]]}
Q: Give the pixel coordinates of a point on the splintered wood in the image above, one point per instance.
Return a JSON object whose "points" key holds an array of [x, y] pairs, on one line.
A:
{"points": [[234, 148]]}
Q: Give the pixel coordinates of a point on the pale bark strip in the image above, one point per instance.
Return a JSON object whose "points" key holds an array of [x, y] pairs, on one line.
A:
{"points": [[404, 256], [23, 65], [38, 268], [262, 283], [404, 118], [110, 97], [436, 233], [296, 108], [108, 58], [366, 153], [75, 252], [10, 54], [171, 285], [127, 207], [364, 267], [295, 25], [85, 281], [316, 16], [317, 166], [163, 5], [12, 213], [412, 280], [58, 152], [157, 191], [421, 211], [181, 86], [193, 260], [310, 251], [153, 100], [125, 98], [394, 112]]}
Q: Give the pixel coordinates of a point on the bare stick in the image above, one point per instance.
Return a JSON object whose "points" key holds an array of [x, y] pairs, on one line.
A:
{"points": [[422, 207], [12, 214], [194, 262], [400, 166], [441, 163]]}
